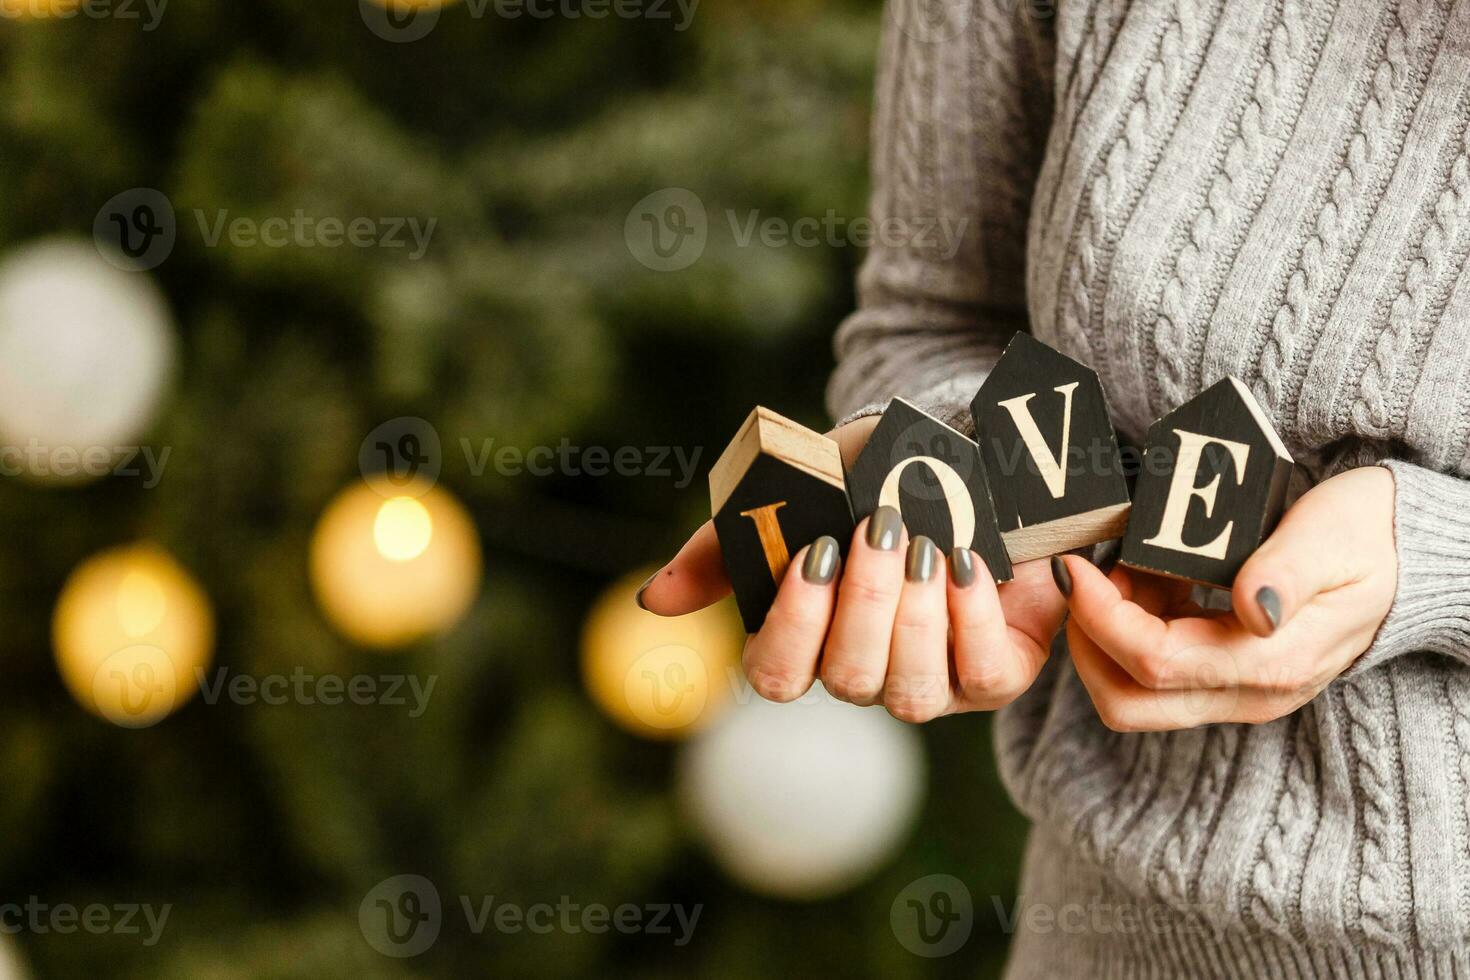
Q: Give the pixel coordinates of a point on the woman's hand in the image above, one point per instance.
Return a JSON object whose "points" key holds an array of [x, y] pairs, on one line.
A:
{"points": [[922, 633], [1306, 604]]}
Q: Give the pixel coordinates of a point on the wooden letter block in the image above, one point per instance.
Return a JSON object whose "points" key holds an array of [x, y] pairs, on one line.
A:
{"points": [[935, 477], [1212, 488], [775, 489], [1041, 420]]}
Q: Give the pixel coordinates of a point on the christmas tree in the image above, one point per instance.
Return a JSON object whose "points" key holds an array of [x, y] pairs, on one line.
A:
{"points": [[499, 293]]}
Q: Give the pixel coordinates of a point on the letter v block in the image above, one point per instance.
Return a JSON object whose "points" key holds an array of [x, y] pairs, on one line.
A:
{"points": [[935, 478], [776, 488], [1041, 420], [1213, 487]]}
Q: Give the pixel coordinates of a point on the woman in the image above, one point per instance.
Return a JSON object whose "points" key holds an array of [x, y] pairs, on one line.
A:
{"points": [[1172, 192]]}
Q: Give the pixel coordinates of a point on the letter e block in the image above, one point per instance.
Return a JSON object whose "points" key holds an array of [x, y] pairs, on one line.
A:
{"points": [[776, 488], [1041, 420], [935, 478], [1213, 487]]}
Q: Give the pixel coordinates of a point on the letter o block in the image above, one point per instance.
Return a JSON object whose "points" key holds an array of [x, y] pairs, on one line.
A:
{"points": [[934, 477], [1213, 487], [776, 488]]}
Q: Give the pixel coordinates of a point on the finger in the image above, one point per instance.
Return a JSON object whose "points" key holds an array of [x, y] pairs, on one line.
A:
{"points": [[917, 686], [781, 659], [1031, 602], [855, 658], [994, 662], [694, 579], [1124, 705], [1180, 654]]}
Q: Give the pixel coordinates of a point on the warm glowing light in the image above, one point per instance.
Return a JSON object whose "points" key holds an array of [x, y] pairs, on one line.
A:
{"points": [[43, 8], [387, 572], [659, 677], [403, 529], [133, 633]]}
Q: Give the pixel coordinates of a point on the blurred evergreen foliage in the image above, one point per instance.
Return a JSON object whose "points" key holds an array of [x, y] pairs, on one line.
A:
{"points": [[527, 321]]}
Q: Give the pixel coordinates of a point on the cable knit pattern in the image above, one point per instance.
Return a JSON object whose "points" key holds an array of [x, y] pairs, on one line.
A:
{"points": [[1173, 190]]}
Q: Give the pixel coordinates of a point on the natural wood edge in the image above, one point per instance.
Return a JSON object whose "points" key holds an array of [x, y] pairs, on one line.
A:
{"points": [[725, 475], [1066, 533], [767, 432]]}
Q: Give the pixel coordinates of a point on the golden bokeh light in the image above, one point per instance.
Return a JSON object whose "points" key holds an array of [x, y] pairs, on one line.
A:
{"points": [[39, 9], [403, 529], [132, 633], [389, 571], [660, 677]]}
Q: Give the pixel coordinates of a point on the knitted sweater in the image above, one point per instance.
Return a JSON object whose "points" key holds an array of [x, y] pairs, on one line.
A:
{"points": [[1171, 191]]}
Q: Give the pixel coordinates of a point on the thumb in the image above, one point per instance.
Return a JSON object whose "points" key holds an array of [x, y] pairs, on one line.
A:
{"points": [[694, 579], [1312, 550]]}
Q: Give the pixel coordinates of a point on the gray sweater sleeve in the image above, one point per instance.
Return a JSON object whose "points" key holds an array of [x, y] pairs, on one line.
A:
{"points": [[961, 117], [1431, 609]]}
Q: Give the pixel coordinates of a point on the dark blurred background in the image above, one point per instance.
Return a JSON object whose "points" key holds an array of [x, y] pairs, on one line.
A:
{"points": [[328, 489]]}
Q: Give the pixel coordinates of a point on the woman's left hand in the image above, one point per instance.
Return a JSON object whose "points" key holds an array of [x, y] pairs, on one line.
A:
{"points": [[1306, 604]]}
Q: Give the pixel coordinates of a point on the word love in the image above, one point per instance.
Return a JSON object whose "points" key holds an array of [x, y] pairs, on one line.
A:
{"points": [[1043, 476]]}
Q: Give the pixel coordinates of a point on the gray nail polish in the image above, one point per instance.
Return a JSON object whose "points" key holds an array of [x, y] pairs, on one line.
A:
{"points": [[922, 561], [638, 597], [1062, 576], [962, 567], [884, 528], [820, 566], [1270, 603]]}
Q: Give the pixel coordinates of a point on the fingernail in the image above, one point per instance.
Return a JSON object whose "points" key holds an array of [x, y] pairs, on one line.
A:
{"points": [[883, 528], [638, 597], [923, 559], [1107, 555], [1270, 603], [1062, 576], [821, 561], [962, 567]]}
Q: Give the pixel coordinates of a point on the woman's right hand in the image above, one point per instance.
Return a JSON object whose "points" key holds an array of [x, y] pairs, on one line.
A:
{"points": [[921, 633]]}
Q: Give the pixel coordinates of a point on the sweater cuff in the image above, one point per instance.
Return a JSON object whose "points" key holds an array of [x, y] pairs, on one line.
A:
{"points": [[1431, 608], [948, 401]]}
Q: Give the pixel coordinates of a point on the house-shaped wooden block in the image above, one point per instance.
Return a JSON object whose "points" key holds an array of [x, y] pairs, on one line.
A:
{"points": [[1213, 487], [1041, 421], [935, 477], [776, 488]]}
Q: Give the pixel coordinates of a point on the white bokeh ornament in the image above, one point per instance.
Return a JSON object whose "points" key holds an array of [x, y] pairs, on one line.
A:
{"points": [[86, 351], [803, 800]]}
